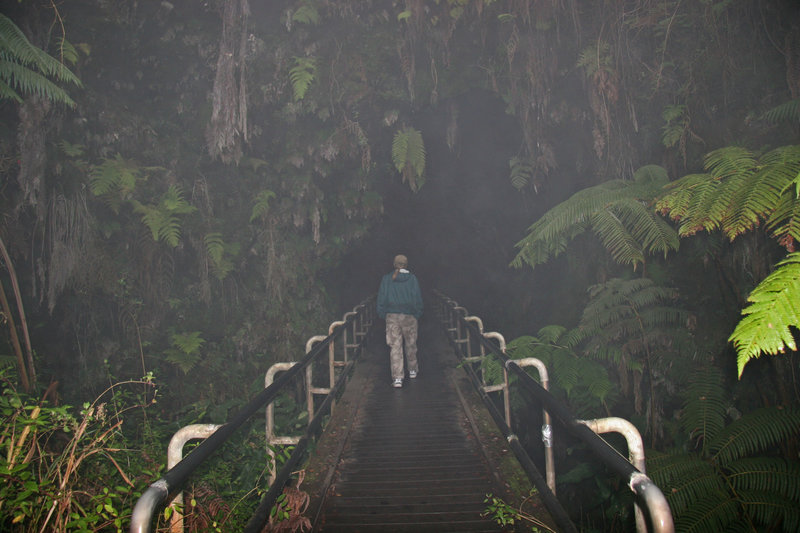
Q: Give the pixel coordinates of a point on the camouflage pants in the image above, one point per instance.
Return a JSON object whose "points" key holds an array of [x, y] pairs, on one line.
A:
{"points": [[401, 327]]}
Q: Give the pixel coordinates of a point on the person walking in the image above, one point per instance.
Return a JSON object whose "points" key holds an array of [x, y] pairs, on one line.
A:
{"points": [[400, 304]]}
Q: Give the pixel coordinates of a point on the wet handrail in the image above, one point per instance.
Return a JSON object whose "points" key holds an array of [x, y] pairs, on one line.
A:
{"points": [[158, 493], [649, 494]]}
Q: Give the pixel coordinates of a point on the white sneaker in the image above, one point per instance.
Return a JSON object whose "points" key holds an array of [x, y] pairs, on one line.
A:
{"points": [[397, 383], [412, 374]]}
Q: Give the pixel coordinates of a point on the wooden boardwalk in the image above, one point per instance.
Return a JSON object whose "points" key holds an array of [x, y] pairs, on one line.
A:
{"points": [[406, 459]]}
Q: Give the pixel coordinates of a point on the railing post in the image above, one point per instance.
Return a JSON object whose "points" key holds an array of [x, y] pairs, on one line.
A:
{"points": [[353, 328], [547, 428], [273, 440], [479, 325], [310, 389], [504, 387], [174, 456], [635, 456]]}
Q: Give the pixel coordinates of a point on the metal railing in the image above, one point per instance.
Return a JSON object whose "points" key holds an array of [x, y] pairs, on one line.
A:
{"points": [[352, 330], [472, 345]]}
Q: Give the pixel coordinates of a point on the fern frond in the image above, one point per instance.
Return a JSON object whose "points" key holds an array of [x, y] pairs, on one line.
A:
{"points": [[737, 194], [117, 174], [184, 361], [594, 57], [713, 511], [521, 347], [566, 373], [785, 112], [774, 309], [215, 246], [185, 351], [218, 251], [261, 206], [770, 510], [492, 370], [162, 219], [616, 211], [596, 379], [703, 414], [551, 334], [408, 156], [306, 14], [174, 203], [730, 161], [784, 222], [684, 479], [676, 122], [521, 172], [616, 237], [29, 69], [757, 431], [767, 475], [188, 342], [301, 75]]}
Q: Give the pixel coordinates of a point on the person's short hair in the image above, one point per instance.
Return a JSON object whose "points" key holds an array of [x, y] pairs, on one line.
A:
{"points": [[400, 261]]}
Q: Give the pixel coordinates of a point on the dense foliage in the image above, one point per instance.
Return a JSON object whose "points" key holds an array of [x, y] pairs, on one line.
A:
{"points": [[178, 178]]}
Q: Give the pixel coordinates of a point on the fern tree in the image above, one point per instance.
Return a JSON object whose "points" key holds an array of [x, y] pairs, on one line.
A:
{"points": [[740, 191], [734, 479], [617, 211], [636, 327]]}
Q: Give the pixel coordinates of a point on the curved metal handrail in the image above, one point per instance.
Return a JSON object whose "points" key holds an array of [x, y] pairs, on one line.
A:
{"points": [[454, 319], [158, 493]]}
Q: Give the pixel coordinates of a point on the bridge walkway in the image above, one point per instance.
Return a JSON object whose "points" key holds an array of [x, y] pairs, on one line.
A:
{"points": [[407, 459]]}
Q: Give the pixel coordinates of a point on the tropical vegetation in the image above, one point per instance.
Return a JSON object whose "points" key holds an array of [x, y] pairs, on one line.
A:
{"points": [[192, 189]]}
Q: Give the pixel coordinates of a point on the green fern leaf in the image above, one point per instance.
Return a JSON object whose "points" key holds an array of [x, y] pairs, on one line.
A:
{"points": [[594, 57], [492, 370], [215, 246], [261, 206], [684, 479], [521, 172], [713, 511], [408, 156], [218, 252], [768, 510], [185, 351], [116, 175], [786, 112], [188, 342], [170, 230], [26, 69], [676, 123], [173, 202], [306, 14], [617, 211], [71, 150], [774, 309], [771, 475], [738, 192], [162, 219], [301, 75], [552, 333], [703, 414], [755, 432]]}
